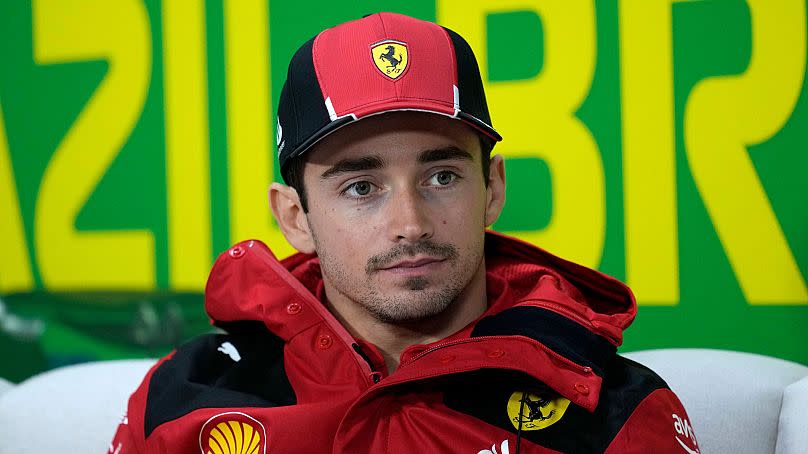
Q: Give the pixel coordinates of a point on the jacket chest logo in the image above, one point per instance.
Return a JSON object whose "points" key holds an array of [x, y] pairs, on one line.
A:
{"points": [[534, 412], [232, 433], [390, 57]]}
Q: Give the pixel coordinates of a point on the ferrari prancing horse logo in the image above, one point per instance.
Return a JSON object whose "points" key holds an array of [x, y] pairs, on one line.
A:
{"points": [[390, 57], [533, 411]]}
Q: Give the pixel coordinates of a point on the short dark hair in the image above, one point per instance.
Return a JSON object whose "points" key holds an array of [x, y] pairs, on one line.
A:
{"points": [[293, 172]]}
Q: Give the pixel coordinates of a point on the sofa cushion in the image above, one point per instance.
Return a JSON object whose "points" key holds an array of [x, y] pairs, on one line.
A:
{"points": [[733, 398], [72, 409]]}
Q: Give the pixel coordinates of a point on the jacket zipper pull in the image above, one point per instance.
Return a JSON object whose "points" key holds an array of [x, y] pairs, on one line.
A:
{"points": [[375, 376]]}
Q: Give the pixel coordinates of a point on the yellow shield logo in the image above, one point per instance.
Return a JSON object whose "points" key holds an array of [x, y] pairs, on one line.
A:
{"points": [[390, 57], [232, 433], [535, 412]]}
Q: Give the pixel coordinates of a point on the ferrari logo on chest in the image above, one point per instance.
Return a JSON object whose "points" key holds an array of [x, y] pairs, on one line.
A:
{"points": [[534, 412], [390, 57]]}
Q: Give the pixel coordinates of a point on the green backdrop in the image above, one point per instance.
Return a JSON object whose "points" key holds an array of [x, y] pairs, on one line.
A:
{"points": [[663, 143]]}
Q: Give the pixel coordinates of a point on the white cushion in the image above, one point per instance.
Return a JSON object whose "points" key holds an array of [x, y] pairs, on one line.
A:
{"points": [[793, 429], [733, 398], [73, 409]]}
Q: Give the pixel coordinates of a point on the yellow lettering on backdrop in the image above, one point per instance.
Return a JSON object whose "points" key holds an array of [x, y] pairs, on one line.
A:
{"points": [[248, 82], [649, 151], [187, 144], [537, 116], [15, 267], [82, 30], [724, 116]]}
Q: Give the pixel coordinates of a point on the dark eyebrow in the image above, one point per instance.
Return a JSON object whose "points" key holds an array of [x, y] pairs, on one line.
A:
{"points": [[353, 165], [444, 154], [375, 162]]}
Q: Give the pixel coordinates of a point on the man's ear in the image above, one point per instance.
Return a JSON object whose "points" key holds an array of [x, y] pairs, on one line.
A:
{"points": [[291, 218], [495, 193]]}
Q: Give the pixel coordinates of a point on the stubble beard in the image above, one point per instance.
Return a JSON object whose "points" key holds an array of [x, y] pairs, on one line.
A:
{"points": [[418, 298], [417, 304]]}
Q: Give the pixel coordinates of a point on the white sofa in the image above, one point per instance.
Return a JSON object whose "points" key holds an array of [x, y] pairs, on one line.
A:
{"points": [[738, 403], [74, 409]]}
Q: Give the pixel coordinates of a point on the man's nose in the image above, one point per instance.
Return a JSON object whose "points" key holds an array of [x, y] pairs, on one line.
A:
{"points": [[408, 217]]}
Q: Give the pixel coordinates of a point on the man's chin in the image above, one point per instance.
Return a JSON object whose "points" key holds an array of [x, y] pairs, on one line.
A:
{"points": [[406, 287], [407, 317], [418, 283], [407, 306]]}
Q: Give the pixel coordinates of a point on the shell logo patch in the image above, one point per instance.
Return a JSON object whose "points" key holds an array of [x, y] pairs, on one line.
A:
{"points": [[390, 57], [232, 433], [534, 411]]}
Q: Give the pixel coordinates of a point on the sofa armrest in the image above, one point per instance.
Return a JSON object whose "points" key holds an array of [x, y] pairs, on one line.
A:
{"points": [[792, 432]]}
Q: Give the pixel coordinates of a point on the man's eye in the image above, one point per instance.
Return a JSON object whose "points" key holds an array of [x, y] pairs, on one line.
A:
{"points": [[359, 189], [443, 178]]}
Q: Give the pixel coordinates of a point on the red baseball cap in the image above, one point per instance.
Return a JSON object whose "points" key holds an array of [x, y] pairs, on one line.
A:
{"points": [[384, 62]]}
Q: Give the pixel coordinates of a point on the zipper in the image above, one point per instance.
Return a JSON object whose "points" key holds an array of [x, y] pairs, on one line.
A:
{"points": [[546, 349], [375, 375], [566, 312], [583, 321]]}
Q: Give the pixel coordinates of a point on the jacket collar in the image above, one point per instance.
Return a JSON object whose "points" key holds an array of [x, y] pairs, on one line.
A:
{"points": [[578, 312]]}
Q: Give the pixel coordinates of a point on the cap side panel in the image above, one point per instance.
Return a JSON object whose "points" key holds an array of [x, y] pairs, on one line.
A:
{"points": [[308, 100], [295, 132], [472, 94], [287, 128], [314, 63], [455, 82]]}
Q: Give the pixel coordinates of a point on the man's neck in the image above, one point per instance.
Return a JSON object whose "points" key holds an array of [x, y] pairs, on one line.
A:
{"points": [[392, 338]]}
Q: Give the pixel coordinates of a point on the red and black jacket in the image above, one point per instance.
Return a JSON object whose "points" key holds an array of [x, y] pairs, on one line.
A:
{"points": [[536, 373]]}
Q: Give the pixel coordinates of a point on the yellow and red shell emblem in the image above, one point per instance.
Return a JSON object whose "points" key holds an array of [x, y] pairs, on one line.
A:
{"points": [[232, 433], [391, 57]]}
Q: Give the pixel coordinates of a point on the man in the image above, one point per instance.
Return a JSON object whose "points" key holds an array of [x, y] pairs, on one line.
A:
{"points": [[402, 325]]}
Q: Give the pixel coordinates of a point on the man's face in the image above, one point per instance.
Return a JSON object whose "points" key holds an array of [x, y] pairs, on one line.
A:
{"points": [[397, 210]]}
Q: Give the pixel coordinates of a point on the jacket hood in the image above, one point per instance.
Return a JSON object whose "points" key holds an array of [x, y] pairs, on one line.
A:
{"points": [[538, 278], [248, 282]]}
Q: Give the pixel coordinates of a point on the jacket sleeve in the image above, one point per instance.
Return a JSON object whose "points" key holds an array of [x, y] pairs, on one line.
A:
{"points": [[130, 438], [660, 425]]}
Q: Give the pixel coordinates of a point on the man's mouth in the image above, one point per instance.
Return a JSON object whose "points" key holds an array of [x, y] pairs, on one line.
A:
{"points": [[414, 259], [414, 266]]}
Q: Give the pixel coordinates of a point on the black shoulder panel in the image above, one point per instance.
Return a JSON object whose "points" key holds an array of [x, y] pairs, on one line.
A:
{"points": [[484, 394], [564, 336], [204, 373]]}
